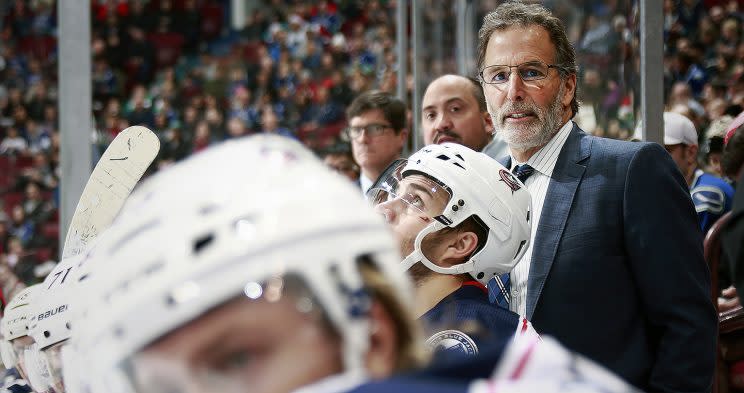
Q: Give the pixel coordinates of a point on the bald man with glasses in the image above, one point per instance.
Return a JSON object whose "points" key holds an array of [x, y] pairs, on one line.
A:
{"points": [[377, 131]]}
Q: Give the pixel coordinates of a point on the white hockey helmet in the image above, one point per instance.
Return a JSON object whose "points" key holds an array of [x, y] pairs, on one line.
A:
{"points": [[49, 320], [474, 185], [15, 324], [15, 321], [49, 324], [222, 223]]}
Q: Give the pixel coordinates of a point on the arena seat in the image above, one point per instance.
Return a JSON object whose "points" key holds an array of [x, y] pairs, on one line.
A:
{"points": [[168, 48], [39, 46], [730, 353], [11, 199], [211, 23]]}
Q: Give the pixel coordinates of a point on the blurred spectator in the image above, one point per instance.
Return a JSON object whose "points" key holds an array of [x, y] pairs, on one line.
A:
{"points": [[39, 138], [732, 162], [202, 136], [35, 207], [13, 143], [19, 260], [20, 226], [270, 123], [236, 128], [340, 159], [711, 195]]}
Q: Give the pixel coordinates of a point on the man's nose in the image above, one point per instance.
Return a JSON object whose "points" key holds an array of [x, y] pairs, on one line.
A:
{"points": [[515, 87], [363, 137], [443, 122], [387, 210]]}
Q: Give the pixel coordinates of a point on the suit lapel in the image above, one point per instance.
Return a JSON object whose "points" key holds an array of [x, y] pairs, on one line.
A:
{"points": [[566, 178]]}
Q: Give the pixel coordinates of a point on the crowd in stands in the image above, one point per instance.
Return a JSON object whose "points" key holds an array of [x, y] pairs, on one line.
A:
{"points": [[177, 67]]}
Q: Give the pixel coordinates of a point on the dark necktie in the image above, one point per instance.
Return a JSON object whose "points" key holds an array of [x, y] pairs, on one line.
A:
{"points": [[499, 289], [523, 172]]}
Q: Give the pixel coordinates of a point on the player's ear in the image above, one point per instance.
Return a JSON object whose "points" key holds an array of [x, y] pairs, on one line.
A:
{"points": [[460, 246], [382, 353]]}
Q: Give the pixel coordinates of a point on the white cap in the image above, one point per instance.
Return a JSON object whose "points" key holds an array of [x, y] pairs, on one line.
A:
{"points": [[679, 129], [295, 19]]}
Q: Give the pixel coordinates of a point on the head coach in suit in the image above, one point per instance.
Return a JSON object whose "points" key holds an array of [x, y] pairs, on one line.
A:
{"points": [[615, 269]]}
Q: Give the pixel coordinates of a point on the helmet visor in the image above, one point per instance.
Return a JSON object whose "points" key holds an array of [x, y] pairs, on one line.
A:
{"points": [[39, 375], [51, 357], [256, 342], [412, 193], [7, 354]]}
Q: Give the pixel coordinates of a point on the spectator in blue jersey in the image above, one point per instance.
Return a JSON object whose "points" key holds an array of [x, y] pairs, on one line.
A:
{"points": [[712, 195], [460, 218]]}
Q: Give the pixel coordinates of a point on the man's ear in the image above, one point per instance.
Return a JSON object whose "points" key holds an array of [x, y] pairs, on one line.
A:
{"points": [[692, 152], [570, 90], [488, 122], [383, 343], [459, 247]]}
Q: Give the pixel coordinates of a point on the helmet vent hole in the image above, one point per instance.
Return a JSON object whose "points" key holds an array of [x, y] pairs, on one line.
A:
{"points": [[458, 164], [521, 244], [47, 334], [207, 209], [203, 242], [443, 157], [67, 325], [459, 156]]}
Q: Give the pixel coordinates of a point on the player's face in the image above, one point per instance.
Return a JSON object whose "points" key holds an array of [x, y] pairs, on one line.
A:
{"points": [[242, 346], [414, 205]]}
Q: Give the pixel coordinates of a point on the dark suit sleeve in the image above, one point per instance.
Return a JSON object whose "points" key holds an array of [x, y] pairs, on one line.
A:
{"points": [[665, 249]]}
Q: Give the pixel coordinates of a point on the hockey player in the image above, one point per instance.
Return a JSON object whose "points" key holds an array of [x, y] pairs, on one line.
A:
{"points": [[49, 325], [461, 218], [15, 331], [219, 279]]}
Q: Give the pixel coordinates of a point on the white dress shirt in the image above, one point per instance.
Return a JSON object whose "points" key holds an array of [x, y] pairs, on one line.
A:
{"points": [[365, 183], [543, 161]]}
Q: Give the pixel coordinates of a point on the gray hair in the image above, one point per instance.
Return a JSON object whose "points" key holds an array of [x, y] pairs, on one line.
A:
{"points": [[515, 13]]}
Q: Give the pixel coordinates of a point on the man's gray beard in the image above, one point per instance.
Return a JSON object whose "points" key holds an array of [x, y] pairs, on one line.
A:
{"points": [[532, 137]]}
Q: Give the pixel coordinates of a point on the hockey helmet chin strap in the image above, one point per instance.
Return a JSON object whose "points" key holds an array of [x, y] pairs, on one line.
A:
{"points": [[418, 256]]}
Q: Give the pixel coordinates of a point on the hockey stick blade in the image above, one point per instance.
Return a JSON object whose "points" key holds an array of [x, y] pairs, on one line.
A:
{"points": [[120, 168]]}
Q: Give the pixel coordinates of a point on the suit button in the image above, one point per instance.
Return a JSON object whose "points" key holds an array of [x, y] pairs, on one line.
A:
{"points": [[515, 293]]}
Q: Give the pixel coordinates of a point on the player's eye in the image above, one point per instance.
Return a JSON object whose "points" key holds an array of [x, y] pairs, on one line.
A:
{"points": [[235, 361]]}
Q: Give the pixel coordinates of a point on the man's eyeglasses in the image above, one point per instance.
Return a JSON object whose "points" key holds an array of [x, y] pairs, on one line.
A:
{"points": [[530, 71], [372, 130]]}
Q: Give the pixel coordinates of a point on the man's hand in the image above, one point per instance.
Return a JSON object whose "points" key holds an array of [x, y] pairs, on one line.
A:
{"points": [[728, 300]]}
